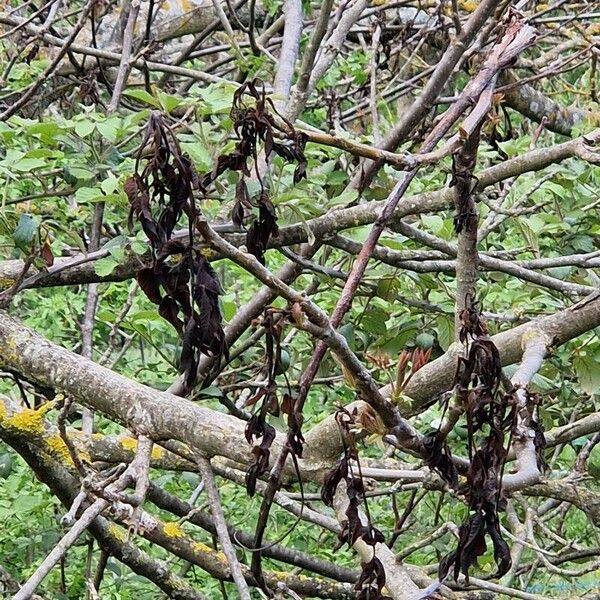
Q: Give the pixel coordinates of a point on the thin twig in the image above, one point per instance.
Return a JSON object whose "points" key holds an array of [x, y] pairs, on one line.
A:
{"points": [[221, 526], [49, 70], [125, 64]]}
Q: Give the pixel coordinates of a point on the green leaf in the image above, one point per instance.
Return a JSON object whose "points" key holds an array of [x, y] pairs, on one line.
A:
{"points": [[139, 247], [216, 98], [109, 185], [105, 266], [29, 164], [349, 333], [343, 198], [43, 153], [399, 341], [78, 173], [168, 102], [211, 392], [588, 373], [529, 235], [107, 316], [146, 315], [26, 503], [47, 131], [142, 96], [199, 154], [536, 223], [109, 129], [445, 331], [593, 463], [87, 194], [310, 236], [84, 128], [386, 287], [434, 223], [117, 252], [229, 309], [567, 456], [560, 272], [25, 232], [374, 321], [337, 178]]}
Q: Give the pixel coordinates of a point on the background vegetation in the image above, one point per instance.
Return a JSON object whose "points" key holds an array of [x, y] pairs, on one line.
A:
{"points": [[73, 132]]}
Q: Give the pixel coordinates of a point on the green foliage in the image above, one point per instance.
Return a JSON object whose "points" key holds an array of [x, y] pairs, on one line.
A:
{"points": [[55, 170], [94, 153]]}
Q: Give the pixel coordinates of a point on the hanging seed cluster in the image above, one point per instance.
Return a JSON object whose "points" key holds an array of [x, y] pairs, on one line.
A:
{"points": [[180, 281], [372, 578]]}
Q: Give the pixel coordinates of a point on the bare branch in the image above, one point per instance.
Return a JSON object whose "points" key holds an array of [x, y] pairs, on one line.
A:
{"points": [[221, 527]]}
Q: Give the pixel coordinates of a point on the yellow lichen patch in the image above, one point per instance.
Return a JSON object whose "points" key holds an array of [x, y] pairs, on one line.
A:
{"points": [[204, 549], [9, 352], [6, 282], [86, 436], [57, 447], [84, 456], [29, 420], [173, 529], [157, 452], [129, 443], [593, 29], [284, 575], [468, 5], [117, 532]]}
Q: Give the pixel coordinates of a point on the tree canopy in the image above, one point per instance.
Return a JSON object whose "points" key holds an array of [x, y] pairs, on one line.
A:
{"points": [[299, 299]]}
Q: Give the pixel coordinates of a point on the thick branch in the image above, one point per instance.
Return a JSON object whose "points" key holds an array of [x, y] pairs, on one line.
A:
{"points": [[437, 376], [537, 106]]}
